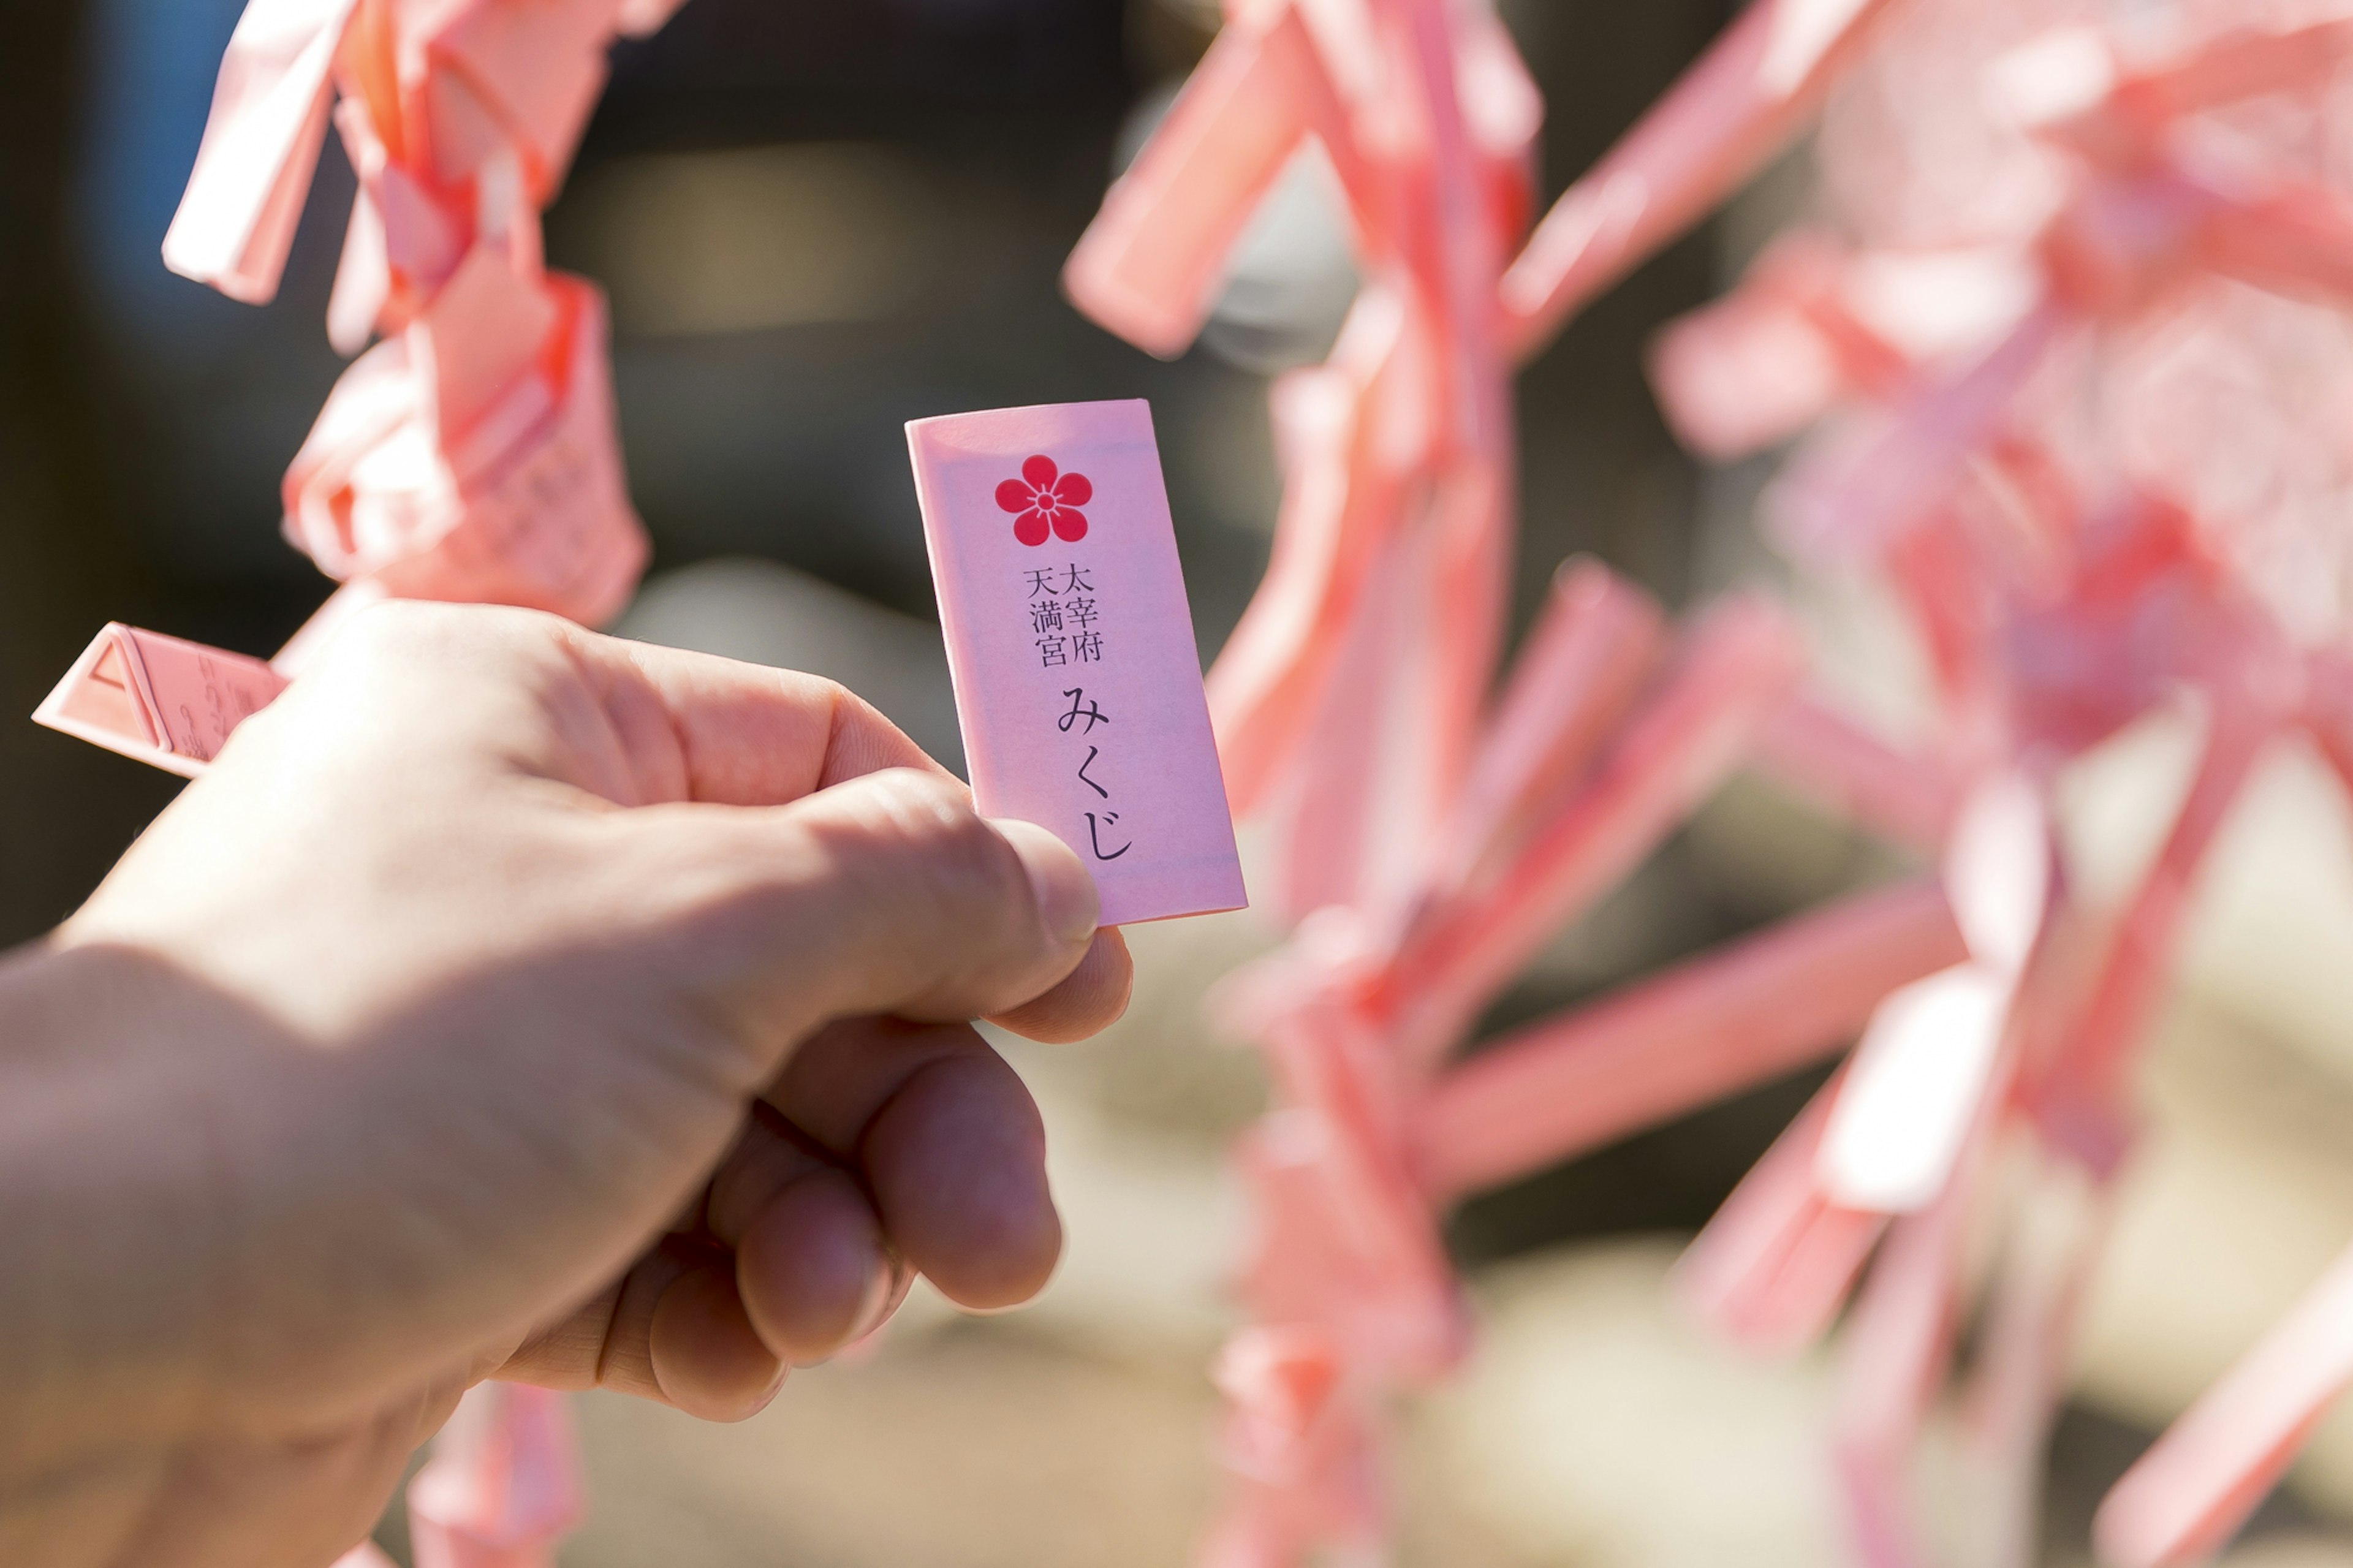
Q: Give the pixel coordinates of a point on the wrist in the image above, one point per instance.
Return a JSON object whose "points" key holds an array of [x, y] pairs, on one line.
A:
{"points": [[110, 1212]]}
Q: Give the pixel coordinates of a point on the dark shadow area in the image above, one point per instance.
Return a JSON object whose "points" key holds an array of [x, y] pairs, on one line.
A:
{"points": [[2090, 1452]]}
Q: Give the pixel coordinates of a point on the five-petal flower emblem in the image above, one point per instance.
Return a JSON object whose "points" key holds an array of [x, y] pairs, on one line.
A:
{"points": [[1046, 503]]}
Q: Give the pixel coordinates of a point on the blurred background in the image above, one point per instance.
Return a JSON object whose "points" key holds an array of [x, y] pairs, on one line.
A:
{"points": [[819, 220]]}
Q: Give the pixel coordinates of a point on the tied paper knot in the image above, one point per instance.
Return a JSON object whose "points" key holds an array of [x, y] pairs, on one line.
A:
{"points": [[1046, 503]]}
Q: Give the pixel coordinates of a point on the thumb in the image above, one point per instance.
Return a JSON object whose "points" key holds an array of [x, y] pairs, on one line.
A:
{"points": [[886, 893]]}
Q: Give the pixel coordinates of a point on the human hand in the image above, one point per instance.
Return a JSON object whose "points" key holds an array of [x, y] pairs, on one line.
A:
{"points": [[505, 1001]]}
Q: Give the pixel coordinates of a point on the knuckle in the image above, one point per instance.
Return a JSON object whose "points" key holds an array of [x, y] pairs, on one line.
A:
{"points": [[395, 621], [410, 632], [946, 854], [931, 817], [408, 619], [824, 689], [379, 629]]}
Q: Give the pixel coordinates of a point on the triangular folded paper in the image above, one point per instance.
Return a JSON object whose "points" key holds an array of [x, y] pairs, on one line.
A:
{"points": [[158, 698]]}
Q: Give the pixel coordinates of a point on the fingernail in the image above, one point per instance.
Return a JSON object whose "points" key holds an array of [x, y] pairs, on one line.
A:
{"points": [[884, 1291], [882, 1298], [769, 1396], [1066, 894]]}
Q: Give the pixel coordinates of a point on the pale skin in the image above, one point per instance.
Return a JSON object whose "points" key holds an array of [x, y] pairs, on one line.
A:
{"points": [[507, 1001]]}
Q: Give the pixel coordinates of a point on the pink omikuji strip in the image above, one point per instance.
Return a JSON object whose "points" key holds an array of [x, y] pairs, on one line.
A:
{"points": [[1039, 712], [1328, 1062], [1705, 1029], [1338, 810], [1735, 667], [2133, 231], [1341, 439], [1820, 752], [1453, 248], [2145, 219], [1504, 108], [1852, 498], [1425, 635], [1149, 265], [2189, 1494], [502, 1488], [1892, 1358], [2142, 100], [1302, 1444], [2023, 1360], [1596, 640], [2296, 240], [1770, 1270], [1461, 615], [2328, 709], [1730, 114], [2239, 66], [1754, 368], [1456, 535], [1341, 1246], [490, 387], [159, 699], [1898, 1347], [1425, 638], [2079, 1094], [459, 121], [260, 144]]}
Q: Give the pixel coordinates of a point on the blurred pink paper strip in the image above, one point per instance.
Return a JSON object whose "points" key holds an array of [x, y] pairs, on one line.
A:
{"points": [[1707, 1028], [261, 142], [502, 1488], [1772, 1268], [1077, 682], [157, 698], [2189, 1493], [1149, 266], [1753, 90]]}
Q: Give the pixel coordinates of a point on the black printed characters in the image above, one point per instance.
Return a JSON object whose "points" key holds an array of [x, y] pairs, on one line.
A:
{"points": [[1062, 617], [1082, 711]]}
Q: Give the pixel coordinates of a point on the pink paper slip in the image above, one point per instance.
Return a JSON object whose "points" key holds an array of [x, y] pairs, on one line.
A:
{"points": [[1077, 683], [158, 698]]}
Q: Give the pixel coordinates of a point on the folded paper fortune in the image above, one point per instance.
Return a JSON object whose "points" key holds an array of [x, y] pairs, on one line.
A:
{"points": [[1078, 686], [162, 700]]}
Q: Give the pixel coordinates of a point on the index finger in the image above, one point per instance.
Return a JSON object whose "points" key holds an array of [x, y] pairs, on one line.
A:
{"points": [[748, 734], [632, 723]]}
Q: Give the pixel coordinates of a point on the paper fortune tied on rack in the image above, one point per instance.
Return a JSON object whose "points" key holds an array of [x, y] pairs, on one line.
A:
{"points": [[1077, 683], [162, 700]]}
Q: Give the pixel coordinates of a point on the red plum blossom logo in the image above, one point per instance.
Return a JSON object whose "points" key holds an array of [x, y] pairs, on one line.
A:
{"points": [[1046, 503]]}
